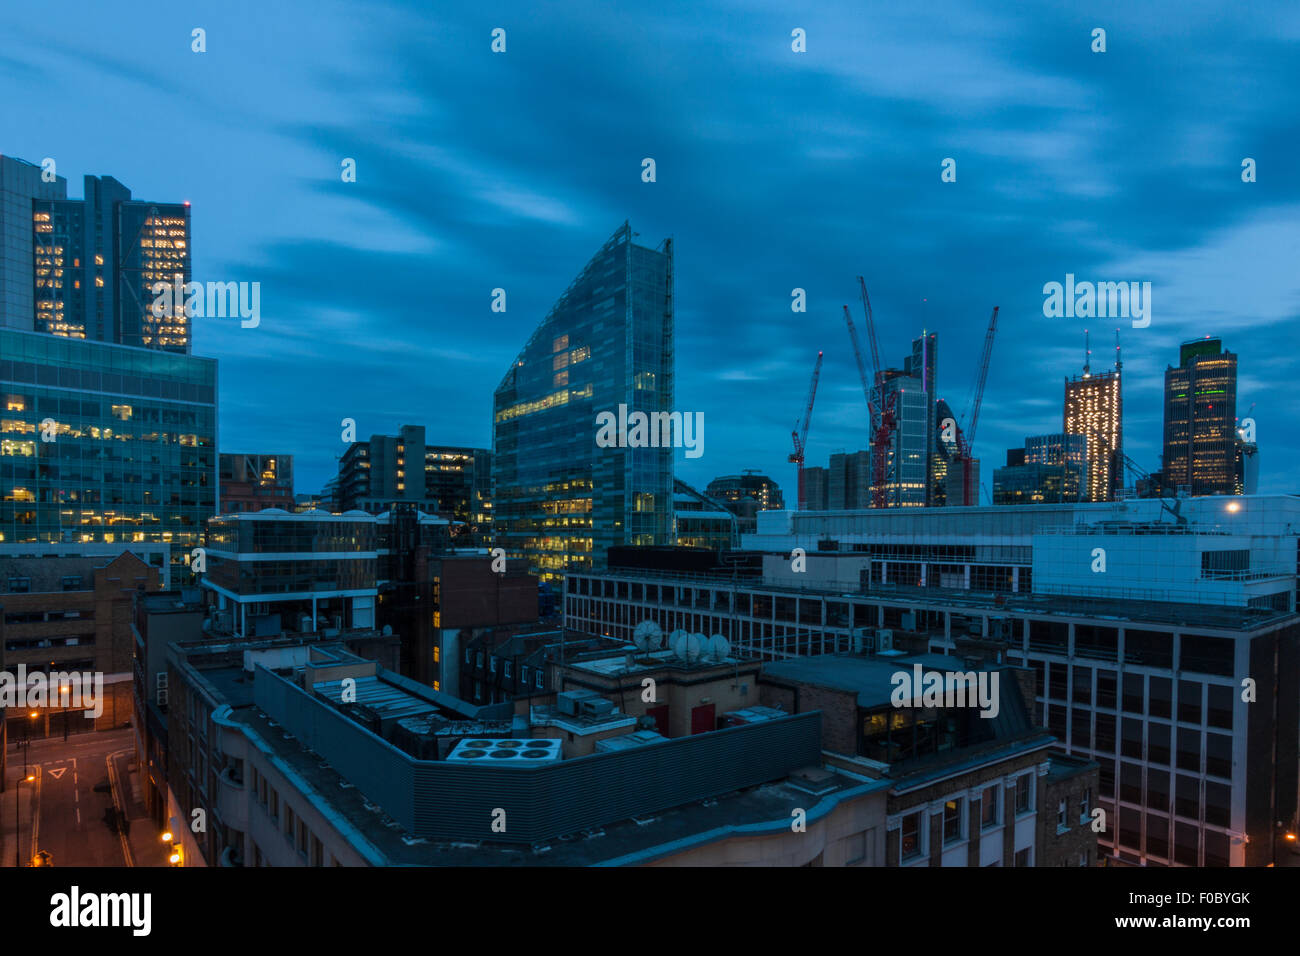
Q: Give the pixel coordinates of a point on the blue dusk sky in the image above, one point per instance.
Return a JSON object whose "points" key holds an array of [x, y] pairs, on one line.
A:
{"points": [[775, 170]]}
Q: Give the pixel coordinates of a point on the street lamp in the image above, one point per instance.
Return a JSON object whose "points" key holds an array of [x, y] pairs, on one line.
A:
{"points": [[18, 831], [63, 699], [27, 742]]}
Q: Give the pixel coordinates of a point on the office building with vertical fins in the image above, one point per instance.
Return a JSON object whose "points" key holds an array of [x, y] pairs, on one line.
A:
{"points": [[562, 500], [1094, 408], [1200, 440]]}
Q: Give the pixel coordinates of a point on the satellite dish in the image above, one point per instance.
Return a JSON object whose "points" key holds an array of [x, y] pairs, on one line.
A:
{"points": [[641, 634], [693, 646], [656, 638], [675, 642], [719, 647]]}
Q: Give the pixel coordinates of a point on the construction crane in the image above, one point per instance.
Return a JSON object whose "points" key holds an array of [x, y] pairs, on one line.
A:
{"points": [[882, 413], [966, 439], [800, 433]]}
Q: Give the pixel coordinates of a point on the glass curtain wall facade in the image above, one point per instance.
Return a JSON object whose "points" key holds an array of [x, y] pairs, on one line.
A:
{"points": [[907, 465], [561, 500], [132, 451], [1200, 420]]}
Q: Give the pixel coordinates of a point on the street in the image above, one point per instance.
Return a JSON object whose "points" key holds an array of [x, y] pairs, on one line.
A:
{"points": [[72, 806]]}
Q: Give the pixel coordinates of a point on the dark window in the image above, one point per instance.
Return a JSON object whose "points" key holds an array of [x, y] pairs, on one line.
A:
{"points": [[1207, 655], [1098, 643], [1218, 755], [1218, 710], [1131, 745], [1056, 675], [1158, 790], [1189, 701], [1189, 750], [1023, 784], [911, 836], [1105, 733], [1187, 797], [1162, 697], [1105, 688], [1186, 844], [1216, 848], [989, 807], [1081, 682], [1080, 729], [1158, 835], [1052, 636], [1151, 648], [1158, 743], [1130, 782], [1133, 694], [1218, 803]]}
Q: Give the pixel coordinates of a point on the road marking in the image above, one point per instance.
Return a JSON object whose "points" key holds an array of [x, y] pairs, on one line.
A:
{"points": [[56, 774], [113, 786]]}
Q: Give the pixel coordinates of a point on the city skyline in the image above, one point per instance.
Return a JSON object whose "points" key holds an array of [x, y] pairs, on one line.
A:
{"points": [[509, 203]]}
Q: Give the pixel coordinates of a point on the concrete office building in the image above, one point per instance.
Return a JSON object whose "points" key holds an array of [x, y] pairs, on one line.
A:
{"points": [[1138, 666], [449, 481], [607, 344], [817, 487], [254, 482], [366, 792]]}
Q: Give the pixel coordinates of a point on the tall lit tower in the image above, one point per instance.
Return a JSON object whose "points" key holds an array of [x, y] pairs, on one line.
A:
{"points": [[1094, 407], [1200, 419]]}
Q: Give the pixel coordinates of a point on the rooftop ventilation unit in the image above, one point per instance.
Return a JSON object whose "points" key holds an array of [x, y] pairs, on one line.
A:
{"points": [[595, 707], [568, 702], [511, 752]]}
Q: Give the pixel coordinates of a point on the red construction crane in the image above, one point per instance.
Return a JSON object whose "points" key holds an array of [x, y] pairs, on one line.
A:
{"points": [[800, 434], [882, 418], [966, 440]]}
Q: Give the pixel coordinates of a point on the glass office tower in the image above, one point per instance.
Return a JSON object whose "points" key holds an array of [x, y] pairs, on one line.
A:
{"points": [[132, 455], [561, 500], [97, 260], [1201, 419]]}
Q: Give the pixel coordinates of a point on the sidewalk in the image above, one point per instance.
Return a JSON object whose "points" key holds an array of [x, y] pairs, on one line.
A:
{"points": [[142, 835], [26, 794]]}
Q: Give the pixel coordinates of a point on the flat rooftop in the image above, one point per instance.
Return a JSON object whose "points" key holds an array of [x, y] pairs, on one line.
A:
{"points": [[870, 677], [1000, 603], [626, 842]]}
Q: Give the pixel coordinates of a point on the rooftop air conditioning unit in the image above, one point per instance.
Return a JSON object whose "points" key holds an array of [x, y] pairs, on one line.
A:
{"points": [[595, 707], [884, 639], [509, 752]]}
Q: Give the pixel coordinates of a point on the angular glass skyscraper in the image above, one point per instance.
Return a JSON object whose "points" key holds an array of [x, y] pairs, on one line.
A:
{"points": [[105, 444], [560, 499]]}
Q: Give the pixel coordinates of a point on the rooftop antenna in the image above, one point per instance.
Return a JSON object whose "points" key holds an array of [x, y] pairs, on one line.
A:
{"points": [[1118, 363], [1087, 355]]}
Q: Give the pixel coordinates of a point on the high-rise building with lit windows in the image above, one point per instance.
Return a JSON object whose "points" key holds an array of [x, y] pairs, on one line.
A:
{"points": [[1094, 408], [104, 446], [21, 184], [98, 259], [561, 500], [86, 268], [1200, 440]]}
